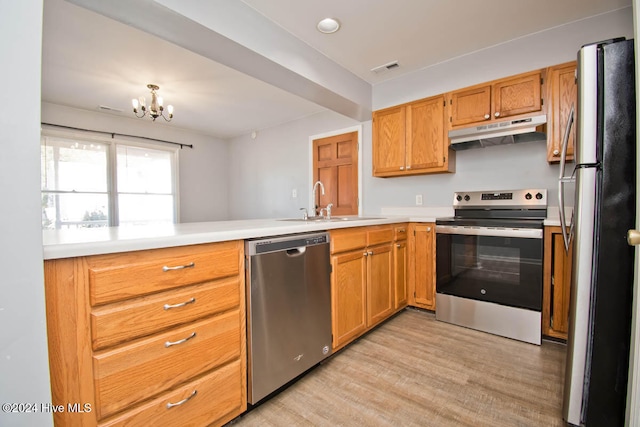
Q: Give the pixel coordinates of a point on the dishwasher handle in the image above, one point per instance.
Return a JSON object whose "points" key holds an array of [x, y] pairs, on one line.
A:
{"points": [[295, 252]]}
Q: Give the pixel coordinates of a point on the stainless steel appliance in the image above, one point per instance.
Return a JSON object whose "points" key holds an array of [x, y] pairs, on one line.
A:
{"points": [[288, 309], [489, 262], [604, 209], [506, 132]]}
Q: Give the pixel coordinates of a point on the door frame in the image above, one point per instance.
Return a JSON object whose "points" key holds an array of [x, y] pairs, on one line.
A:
{"points": [[358, 129]]}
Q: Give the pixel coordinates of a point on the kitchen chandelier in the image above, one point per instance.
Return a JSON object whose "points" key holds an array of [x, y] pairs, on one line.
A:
{"points": [[155, 110]]}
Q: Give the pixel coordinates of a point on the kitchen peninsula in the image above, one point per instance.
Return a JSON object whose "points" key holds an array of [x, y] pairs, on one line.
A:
{"points": [[142, 320]]}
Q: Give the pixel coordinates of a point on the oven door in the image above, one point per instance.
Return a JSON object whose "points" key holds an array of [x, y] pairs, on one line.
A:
{"points": [[502, 266]]}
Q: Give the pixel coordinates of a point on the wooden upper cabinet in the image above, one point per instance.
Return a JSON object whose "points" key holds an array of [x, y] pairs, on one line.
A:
{"points": [[389, 140], [470, 105], [520, 95], [410, 139], [425, 146], [562, 93]]}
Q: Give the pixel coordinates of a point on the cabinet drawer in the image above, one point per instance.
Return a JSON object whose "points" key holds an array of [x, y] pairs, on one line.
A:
{"points": [[346, 240], [142, 369], [122, 321], [218, 398], [378, 235], [400, 232], [120, 276]]}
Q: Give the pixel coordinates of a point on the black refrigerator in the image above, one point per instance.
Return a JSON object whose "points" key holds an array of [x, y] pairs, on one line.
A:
{"points": [[604, 171]]}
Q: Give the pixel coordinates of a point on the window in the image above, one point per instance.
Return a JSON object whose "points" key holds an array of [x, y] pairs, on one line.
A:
{"points": [[89, 183]]}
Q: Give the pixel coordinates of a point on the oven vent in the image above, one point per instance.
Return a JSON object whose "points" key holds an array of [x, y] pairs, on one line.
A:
{"points": [[386, 67]]}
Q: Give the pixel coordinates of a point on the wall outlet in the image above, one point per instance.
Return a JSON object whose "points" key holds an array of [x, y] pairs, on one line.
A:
{"points": [[418, 199], [294, 193]]}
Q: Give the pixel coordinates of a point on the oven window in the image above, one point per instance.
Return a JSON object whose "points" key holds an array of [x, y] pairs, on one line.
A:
{"points": [[503, 270]]}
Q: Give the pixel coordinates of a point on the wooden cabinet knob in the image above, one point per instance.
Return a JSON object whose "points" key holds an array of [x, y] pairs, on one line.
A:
{"points": [[556, 153], [497, 114], [486, 116]]}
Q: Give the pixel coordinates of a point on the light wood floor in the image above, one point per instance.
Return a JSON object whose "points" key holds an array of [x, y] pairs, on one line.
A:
{"points": [[416, 371]]}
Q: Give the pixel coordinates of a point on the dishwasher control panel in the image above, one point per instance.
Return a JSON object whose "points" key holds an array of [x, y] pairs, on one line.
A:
{"points": [[261, 246]]}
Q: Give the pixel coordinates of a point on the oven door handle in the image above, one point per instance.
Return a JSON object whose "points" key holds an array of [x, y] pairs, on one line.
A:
{"points": [[524, 233]]}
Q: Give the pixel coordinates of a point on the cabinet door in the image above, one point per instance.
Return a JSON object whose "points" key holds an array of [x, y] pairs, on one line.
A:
{"points": [[389, 128], [517, 95], [348, 309], [400, 274], [557, 284], [379, 284], [470, 105], [562, 94], [425, 134], [424, 274]]}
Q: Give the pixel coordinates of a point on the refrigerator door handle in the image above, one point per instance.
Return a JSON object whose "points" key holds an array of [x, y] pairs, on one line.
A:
{"points": [[562, 180]]}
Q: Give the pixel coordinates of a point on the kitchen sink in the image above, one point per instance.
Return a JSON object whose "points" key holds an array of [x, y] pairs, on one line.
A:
{"points": [[333, 219]]}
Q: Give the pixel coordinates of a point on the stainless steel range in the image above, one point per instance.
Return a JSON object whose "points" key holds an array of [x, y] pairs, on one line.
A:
{"points": [[489, 262]]}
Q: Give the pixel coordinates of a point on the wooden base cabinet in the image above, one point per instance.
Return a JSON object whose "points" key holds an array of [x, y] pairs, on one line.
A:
{"points": [[362, 285], [151, 337], [422, 265], [556, 292], [400, 266]]}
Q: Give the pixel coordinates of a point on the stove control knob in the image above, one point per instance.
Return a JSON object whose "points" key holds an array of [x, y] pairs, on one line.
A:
{"points": [[467, 198], [538, 196], [528, 196], [459, 198]]}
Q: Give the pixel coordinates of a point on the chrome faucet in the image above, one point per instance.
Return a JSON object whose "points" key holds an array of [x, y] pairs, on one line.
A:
{"points": [[315, 186]]}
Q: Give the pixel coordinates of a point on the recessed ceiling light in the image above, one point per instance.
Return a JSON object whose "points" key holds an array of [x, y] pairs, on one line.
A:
{"points": [[328, 25]]}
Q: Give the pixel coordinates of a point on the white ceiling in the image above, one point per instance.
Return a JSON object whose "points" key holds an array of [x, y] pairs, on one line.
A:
{"points": [[91, 60]]}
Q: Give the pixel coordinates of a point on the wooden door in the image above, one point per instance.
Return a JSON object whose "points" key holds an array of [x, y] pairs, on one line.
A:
{"points": [[400, 274], [470, 105], [425, 134], [424, 273], [562, 94], [517, 95], [335, 164], [388, 146], [379, 284], [348, 303]]}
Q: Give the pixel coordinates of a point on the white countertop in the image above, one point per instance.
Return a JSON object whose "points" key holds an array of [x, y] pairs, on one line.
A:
{"points": [[94, 241]]}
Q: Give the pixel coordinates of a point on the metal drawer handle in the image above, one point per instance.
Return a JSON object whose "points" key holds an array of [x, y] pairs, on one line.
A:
{"points": [[370, 253], [169, 343], [179, 267], [183, 401], [398, 245], [182, 304]]}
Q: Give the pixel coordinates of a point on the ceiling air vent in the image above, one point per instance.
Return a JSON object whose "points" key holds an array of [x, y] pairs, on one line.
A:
{"points": [[386, 67], [107, 108]]}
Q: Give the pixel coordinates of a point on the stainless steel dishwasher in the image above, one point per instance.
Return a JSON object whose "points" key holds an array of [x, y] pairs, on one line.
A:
{"points": [[288, 309]]}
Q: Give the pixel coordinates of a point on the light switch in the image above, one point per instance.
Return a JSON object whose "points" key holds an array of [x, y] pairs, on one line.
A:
{"points": [[294, 193], [418, 199]]}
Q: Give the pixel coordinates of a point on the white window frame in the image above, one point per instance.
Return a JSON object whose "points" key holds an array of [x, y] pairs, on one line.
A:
{"points": [[112, 179]]}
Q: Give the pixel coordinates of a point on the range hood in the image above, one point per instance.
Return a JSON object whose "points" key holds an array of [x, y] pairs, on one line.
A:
{"points": [[507, 132]]}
